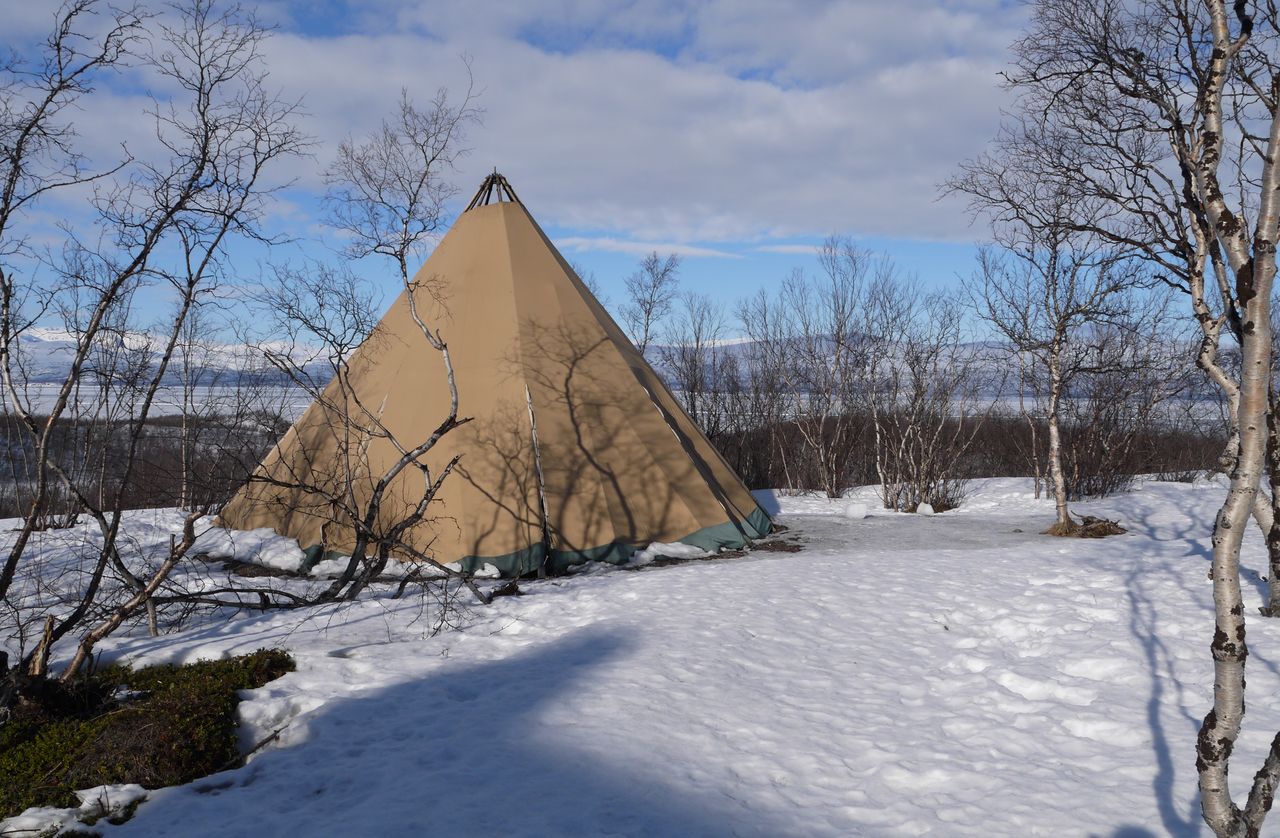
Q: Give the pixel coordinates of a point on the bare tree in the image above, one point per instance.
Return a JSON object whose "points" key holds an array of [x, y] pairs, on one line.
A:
{"points": [[762, 400], [195, 357], [328, 315], [651, 293], [922, 390], [206, 185], [701, 371], [40, 156], [387, 194], [1163, 114], [1027, 393], [1106, 115], [590, 280], [825, 354], [1133, 372], [1042, 292]]}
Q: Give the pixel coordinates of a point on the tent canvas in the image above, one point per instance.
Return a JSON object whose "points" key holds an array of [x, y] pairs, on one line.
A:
{"points": [[567, 416]]}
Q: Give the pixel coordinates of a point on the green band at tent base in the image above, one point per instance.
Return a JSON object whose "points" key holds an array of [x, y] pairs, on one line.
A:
{"points": [[726, 536]]}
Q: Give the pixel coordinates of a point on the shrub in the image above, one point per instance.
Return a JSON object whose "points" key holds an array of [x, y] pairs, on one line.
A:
{"points": [[177, 724]]}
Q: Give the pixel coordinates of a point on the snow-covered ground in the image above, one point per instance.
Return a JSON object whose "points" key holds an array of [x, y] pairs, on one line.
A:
{"points": [[951, 675]]}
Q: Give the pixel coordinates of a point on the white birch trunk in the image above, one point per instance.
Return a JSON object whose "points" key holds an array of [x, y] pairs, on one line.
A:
{"points": [[1253, 264], [1063, 523]]}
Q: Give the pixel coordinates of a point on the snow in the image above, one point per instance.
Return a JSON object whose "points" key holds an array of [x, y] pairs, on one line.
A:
{"points": [[855, 511], [95, 803], [658, 549], [951, 675], [260, 546]]}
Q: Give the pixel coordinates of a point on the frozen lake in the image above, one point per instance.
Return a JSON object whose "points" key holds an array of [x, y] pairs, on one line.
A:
{"points": [[289, 401]]}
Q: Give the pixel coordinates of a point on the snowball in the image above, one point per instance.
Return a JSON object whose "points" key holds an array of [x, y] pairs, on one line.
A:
{"points": [[855, 511], [924, 509]]}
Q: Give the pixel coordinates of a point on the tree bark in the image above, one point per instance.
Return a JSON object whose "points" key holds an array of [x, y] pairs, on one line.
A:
{"points": [[1063, 525], [1253, 264]]}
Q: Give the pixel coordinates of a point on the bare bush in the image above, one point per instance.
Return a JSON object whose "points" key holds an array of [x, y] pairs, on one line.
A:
{"points": [[167, 219], [387, 193], [923, 396]]}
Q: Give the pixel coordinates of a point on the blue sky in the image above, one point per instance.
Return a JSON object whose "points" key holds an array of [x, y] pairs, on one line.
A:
{"points": [[725, 130]]}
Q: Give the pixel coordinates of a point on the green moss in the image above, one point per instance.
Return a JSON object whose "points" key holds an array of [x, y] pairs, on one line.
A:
{"points": [[181, 726]]}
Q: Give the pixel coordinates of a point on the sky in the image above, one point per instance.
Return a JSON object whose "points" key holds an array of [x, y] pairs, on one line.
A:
{"points": [[737, 133]]}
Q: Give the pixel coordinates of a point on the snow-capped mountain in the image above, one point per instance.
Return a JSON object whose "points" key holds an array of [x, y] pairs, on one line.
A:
{"points": [[45, 356]]}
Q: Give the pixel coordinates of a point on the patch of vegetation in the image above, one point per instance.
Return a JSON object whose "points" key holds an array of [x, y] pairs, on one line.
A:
{"points": [[1088, 527], [157, 726]]}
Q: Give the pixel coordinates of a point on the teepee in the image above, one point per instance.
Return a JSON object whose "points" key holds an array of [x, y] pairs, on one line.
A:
{"points": [[575, 451]]}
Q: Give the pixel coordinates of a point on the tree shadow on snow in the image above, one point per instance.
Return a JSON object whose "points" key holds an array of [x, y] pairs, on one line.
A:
{"points": [[1195, 536], [1179, 818], [469, 750]]}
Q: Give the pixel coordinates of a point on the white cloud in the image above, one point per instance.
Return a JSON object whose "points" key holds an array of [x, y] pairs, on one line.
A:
{"points": [[798, 249], [630, 143], [579, 243], [816, 42], [680, 122]]}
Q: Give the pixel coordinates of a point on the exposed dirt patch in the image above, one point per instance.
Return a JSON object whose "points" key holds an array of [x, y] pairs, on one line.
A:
{"points": [[777, 545], [512, 588], [774, 545], [248, 570], [1087, 527], [256, 571]]}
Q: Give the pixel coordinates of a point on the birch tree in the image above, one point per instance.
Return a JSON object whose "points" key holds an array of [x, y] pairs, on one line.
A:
{"points": [[39, 155], [651, 294], [1164, 113], [166, 219], [387, 193], [764, 400], [1232, 57], [1042, 292], [702, 372], [1111, 110], [825, 353], [921, 387], [325, 314]]}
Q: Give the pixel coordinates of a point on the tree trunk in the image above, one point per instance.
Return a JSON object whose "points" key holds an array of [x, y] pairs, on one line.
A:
{"points": [[1063, 525], [1252, 261], [1222, 724], [1263, 513]]}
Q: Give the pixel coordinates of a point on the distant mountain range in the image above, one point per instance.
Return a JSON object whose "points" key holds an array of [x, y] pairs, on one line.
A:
{"points": [[47, 355]]}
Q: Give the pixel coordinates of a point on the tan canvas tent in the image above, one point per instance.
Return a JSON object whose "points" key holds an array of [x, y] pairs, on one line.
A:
{"points": [[566, 415]]}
